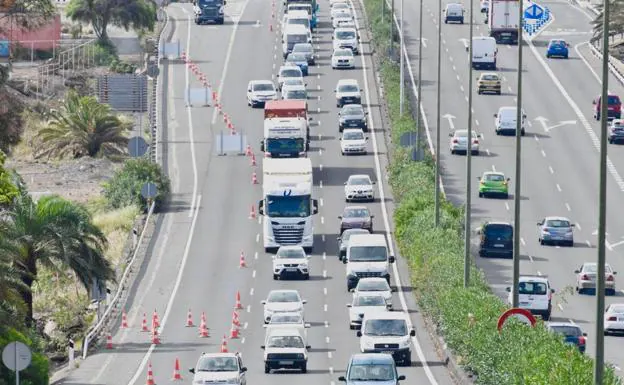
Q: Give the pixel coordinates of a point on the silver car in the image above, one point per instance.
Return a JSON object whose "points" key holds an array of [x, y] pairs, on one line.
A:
{"points": [[459, 142], [586, 278], [556, 230], [306, 49], [365, 304]]}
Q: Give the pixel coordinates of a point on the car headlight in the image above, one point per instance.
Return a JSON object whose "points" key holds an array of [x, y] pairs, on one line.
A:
{"points": [[368, 344], [280, 266], [405, 343]]}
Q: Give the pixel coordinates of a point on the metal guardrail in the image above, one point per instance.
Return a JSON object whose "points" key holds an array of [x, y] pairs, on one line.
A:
{"points": [[616, 68]]}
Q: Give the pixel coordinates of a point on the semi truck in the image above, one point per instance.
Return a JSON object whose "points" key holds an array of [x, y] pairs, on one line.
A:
{"points": [[209, 11], [288, 109], [287, 206], [503, 20], [285, 138]]}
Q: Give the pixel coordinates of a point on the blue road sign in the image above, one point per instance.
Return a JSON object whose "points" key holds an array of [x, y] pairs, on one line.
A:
{"points": [[4, 48], [534, 12]]}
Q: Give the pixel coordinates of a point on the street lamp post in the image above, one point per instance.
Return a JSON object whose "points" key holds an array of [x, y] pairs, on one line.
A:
{"points": [[468, 158], [419, 100], [402, 61], [439, 113]]}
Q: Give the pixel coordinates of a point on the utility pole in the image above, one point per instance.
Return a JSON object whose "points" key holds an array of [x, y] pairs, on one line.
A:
{"points": [[602, 199], [391, 25], [518, 182], [418, 117], [437, 149], [402, 61], [468, 158]]}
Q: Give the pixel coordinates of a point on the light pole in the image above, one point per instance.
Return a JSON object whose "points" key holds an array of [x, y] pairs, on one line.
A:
{"points": [[391, 25], [437, 149], [518, 181], [402, 61], [418, 117], [468, 158], [602, 199]]}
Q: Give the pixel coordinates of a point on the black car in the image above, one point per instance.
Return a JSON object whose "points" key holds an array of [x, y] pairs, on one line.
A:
{"points": [[616, 132], [356, 217], [343, 240], [496, 240], [352, 116]]}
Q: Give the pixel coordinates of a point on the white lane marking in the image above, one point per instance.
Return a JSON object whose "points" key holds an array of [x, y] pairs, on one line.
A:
{"points": [[326, 324], [256, 255], [543, 153], [579, 113], [493, 168], [323, 239], [320, 184], [522, 241], [331, 371], [461, 88], [322, 220], [176, 286], [228, 55], [251, 292], [578, 226], [558, 187], [248, 308], [568, 207], [551, 170], [257, 238], [329, 354], [245, 325], [531, 258], [325, 291], [243, 340], [455, 69], [451, 58], [477, 123], [588, 243], [326, 340], [507, 206], [253, 274], [457, 76], [560, 306], [539, 272], [324, 273], [384, 210], [321, 202], [321, 167], [536, 138], [324, 255], [325, 307]]}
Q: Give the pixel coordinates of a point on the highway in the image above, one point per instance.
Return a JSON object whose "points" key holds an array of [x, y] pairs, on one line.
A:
{"points": [[195, 261], [559, 151]]}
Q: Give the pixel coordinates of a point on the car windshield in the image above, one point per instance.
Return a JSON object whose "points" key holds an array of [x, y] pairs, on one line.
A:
{"points": [[283, 296], [385, 327], [296, 57], [296, 95], [373, 285], [567, 330], [464, 134], [593, 268], [613, 99], [374, 372], [286, 342], [369, 300], [340, 6], [343, 52], [348, 233], [356, 213], [307, 48], [618, 309], [494, 178], [489, 77], [263, 87], [294, 82], [532, 288], [353, 135], [290, 253], [557, 223], [299, 21], [368, 254], [499, 231], [285, 319], [348, 88], [217, 364], [359, 181], [345, 35], [557, 43], [291, 73], [351, 109]]}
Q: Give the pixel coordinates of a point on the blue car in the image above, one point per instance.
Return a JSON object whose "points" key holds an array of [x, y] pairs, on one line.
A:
{"points": [[572, 334], [300, 60], [557, 48]]}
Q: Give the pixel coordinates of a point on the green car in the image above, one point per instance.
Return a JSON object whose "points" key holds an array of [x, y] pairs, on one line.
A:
{"points": [[493, 183]]}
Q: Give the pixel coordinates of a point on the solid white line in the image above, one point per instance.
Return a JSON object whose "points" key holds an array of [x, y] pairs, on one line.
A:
{"points": [[384, 210], [190, 117], [176, 286]]}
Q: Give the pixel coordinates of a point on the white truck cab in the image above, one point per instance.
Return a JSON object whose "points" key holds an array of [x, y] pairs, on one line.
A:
{"points": [[367, 256], [534, 295], [387, 332], [285, 348]]}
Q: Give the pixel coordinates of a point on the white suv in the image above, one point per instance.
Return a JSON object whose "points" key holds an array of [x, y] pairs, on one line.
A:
{"points": [[348, 92], [387, 332], [219, 367], [345, 38], [534, 295]]}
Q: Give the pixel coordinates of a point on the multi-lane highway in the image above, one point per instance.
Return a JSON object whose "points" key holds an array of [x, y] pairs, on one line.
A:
{"points": [[559, 151], [195, 261]]}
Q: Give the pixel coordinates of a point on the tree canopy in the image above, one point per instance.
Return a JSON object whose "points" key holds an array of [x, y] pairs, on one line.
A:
{"points": [[616, 19], [8, 190]]}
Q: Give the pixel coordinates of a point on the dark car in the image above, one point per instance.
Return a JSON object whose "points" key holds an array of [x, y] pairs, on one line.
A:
{"points": [[356, 217], [614, 107], [571, 333], [343, 240], [352, 116], [616, 131], [496, 240], [371, 368]]}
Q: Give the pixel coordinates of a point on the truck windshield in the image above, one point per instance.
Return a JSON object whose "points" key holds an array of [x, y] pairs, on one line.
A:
{"points": [[288, 206], [209, 3], [294, 39], [385, 327], [367, 254], [285, 145]]}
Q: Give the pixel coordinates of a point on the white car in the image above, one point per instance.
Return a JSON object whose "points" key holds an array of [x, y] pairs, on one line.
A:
{"points": [[586, 278], [345, 23], [614, 318], [332, 2], [341, 18], [339, 7], [291, 261], [285, 349], [345, 38], [459, 142], [288, 72], [294, 83], [282, 301], [348, 92], [259, 92], [365, 304], [297, 92], [374, 285], [219, 367], [353, 141], [343, 58], [359, 187], [288, 321]]}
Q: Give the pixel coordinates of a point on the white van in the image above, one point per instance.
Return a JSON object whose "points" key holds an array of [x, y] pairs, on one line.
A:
{"points": [[297, 20], [389, 333], [484, 52], [294, 34], [367, 256], [534, 295], [505, 121], [454, 13]]}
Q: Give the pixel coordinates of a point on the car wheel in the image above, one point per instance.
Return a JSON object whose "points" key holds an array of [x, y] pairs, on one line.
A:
{"points": [[565, 57], [506, 196], [547, 56], [407, 361], [352, 327], [497, 132], [480, 195], [546, 316], [275, 277], [452, 152], [306, 277], [522, 132], [571, 244], [478, 92], [304, 368], [541, 242], [267, 369], [475, 153]]}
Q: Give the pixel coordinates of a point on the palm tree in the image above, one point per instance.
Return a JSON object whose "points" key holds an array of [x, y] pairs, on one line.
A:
{"points": [[11, 289], [82, 126], [616, 19], [56, 233]]}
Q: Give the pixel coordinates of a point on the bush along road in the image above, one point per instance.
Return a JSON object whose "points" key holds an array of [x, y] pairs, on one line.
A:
{"points": [[465, 318]]}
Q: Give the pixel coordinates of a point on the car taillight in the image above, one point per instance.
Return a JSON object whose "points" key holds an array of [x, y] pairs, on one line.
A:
{"points": [[581, 340], [584, 278], [612, 319], [544, 230], [475, 141], [455, 141], [610, 278]]}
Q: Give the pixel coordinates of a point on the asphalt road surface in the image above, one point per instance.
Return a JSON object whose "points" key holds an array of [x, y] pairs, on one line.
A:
{"points": [[559, 151], [195, 263]]}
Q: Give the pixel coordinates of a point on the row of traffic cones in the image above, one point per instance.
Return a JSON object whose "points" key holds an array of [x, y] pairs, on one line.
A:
{"points": [[177, 376]]}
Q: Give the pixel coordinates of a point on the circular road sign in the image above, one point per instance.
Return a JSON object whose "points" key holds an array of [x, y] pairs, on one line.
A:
{"points": [[522, 315], [149, 190], [137, 146], [16, 356]]}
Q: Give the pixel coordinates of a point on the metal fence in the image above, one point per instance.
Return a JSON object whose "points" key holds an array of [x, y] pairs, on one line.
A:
{"points": [[37, 50]]}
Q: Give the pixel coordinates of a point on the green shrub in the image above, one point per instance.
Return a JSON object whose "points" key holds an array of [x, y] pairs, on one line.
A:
{"points": [[104, 53], [465, 317], [124, 188], [122, 67], [37, 371]]}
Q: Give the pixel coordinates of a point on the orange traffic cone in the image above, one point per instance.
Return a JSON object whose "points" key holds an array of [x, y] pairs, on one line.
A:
{"points": [[176, 371], [270, 27], [189, 319], [234, 332], [150, 375], [235, 320], [253, 160], [252, 213], [225, 117], [248, 151], [144, 323], [155, 338], [203, 329], [124, 320], [238, 304], [242, 262], [203, 316], [155, 320], [254, 178], [109, 341], [224, 348]]}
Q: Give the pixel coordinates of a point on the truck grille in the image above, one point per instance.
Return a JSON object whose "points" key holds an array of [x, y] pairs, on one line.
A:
{"points": [[284, 356], [368, 274], [386, 346], [288, 236]]}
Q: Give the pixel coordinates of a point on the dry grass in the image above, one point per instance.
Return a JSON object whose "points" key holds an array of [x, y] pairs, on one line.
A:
{"points": [[24, 149], [116, 225]]}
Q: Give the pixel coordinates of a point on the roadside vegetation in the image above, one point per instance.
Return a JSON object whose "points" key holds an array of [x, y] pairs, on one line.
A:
{"points": [[466, 318], [53, 246]]}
